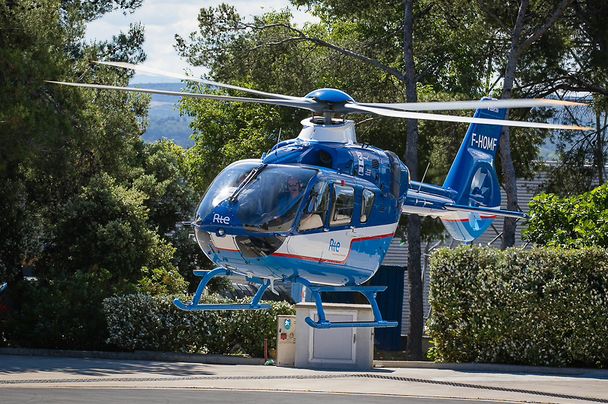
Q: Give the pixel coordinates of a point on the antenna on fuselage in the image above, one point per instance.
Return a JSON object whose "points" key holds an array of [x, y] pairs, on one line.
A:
{"points": [[363, 121], [424, 175], [279, 137]]}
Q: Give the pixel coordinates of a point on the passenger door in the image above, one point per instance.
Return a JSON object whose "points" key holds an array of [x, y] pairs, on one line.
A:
{"points": [[339, 237]]}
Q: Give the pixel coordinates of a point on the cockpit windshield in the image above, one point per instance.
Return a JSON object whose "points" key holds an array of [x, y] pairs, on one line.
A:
{"points": [[265, 198]]}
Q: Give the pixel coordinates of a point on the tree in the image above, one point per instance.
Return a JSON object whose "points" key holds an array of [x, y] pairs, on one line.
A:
{"points": [[583, 155], [227, 133], [102, 245], [414, 343], [161, 175], [52, 139], [83, 197], [520, 42]]}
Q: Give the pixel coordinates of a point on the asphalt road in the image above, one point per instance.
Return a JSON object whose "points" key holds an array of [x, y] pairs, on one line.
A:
{"points": [[152, 396], [44, 379]]}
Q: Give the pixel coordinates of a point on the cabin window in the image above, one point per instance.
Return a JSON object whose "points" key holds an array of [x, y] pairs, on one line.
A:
{"points": [[366, 204], [315, 210], [344, 202]]}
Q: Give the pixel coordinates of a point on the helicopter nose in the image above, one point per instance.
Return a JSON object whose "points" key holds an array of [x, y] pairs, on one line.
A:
{"points": [[258, 247], [248, 246]]}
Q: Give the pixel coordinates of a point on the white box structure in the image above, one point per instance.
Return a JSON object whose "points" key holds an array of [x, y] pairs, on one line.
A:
{"points": [[336, 348]]}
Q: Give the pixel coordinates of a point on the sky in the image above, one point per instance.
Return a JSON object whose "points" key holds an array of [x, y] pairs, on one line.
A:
{"points": [[163, 19]]}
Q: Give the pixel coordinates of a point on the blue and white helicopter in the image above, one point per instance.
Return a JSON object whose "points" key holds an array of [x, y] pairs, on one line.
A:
{"points": [[321, 209]]}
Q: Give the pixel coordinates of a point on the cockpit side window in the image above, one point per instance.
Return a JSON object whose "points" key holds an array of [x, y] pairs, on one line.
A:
{"points": [[367, 204], [344, 203], [315, 211]]}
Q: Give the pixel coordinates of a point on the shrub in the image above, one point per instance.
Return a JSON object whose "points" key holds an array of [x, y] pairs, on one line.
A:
{"points": [[577, 221], [537, 307], [144, 322], [61, 313]]}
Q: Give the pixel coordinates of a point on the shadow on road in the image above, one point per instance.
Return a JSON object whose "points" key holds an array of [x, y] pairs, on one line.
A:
{"points": [[10, 365]]}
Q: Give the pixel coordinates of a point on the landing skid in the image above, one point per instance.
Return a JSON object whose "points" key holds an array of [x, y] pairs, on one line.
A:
{"points": [[368, 291], [207, 276]]}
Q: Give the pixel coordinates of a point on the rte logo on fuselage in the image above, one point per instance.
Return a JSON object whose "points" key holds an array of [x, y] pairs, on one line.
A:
{"points": [[217, 218]]}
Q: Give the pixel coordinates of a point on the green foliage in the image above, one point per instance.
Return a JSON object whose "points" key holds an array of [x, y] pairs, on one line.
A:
{"points": [[536, 307], [144, 322], [581, 155], [170, 198], [61, 314], [188, 257], [105, 226], [226, 133], [55, 139], [577, 221], [85, 204], [160, 281], [100, 245], [457, 57]]}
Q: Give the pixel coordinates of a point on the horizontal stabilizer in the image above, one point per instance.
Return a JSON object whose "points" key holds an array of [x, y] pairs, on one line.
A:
{"points": [[489, 211]]}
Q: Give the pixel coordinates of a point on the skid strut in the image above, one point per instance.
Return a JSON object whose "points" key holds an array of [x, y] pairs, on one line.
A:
{"points": [[207, 276], [368, 291]]}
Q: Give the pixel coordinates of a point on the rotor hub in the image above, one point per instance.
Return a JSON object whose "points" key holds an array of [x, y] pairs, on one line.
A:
{"points": [[339, 131], [329, 95]]}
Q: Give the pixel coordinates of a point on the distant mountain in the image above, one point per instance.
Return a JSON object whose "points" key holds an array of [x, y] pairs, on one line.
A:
{"points": [[164, 120]]}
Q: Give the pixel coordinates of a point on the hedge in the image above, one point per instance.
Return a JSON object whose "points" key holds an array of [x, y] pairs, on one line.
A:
{"points": [[544, 306], [153, 323]]}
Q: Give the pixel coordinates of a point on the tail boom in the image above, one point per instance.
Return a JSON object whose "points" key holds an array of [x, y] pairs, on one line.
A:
{"points": [[469, 199], [463, 222]]}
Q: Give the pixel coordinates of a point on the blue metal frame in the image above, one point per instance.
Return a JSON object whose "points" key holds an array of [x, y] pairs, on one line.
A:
{"points": [[207, 276], [368, 291]]}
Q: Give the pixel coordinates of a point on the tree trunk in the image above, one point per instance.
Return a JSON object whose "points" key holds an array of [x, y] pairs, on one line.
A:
{"points": [[414, 340], [599, 160], [517, 47], [508, 168]]}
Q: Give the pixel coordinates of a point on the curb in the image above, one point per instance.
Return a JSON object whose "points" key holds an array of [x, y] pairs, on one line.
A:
{"points": [[491, 367], [137, 355], [238, 360]]}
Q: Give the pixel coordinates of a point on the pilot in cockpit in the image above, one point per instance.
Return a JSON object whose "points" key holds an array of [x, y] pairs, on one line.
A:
{"points": [[294, 187], [291, 191]]}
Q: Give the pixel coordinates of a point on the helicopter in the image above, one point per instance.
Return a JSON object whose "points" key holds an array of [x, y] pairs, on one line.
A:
{"points": [[321, 210]]}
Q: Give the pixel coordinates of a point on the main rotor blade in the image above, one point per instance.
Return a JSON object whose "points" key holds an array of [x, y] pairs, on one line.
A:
{"points": [[464, 119], [457, 105], [156, 72], [285, 103]]}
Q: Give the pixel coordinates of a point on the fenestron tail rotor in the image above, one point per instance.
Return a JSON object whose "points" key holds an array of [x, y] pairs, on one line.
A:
{"points": [[329, 102]]}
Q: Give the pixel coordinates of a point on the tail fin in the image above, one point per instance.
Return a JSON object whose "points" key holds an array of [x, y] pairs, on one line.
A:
{"points": [[474, 178]]}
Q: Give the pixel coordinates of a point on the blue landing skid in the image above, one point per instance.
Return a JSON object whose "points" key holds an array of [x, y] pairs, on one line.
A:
{"points": [[368, 291], [207, 276]]}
